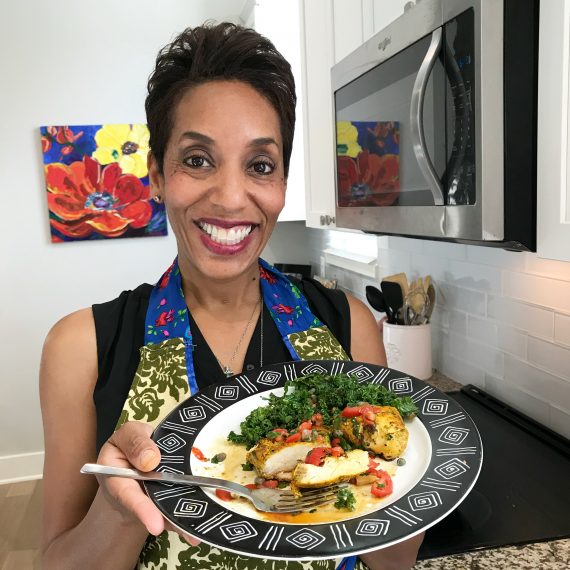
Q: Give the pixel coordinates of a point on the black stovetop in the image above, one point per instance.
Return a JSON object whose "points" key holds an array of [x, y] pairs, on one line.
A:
{"points": [[523, 491]]}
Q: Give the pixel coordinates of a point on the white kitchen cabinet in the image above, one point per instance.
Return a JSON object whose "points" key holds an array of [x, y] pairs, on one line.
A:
{"points": [[280, 22], [331, 29], [553, 160]]}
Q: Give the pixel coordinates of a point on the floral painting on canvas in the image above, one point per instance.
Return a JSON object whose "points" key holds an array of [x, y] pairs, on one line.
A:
{"points": [[97, 183]]}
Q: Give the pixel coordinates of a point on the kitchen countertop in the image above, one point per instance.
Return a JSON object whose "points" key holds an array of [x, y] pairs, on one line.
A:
{"points": [[550, 555]]}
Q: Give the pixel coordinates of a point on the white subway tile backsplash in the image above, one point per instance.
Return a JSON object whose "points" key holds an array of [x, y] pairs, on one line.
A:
{"points": [[547, 267], [422, 265], [484, 277], [559, 421], [512, 341], [482, 330], [562, 329], [405, 244], [542, 291], [488, 358], [513, 260], [538, 382], [445, 250], [531, 405], [461, 371], [457, 298], [393, 261], [454, 321], [520, 315], [549, 356]]}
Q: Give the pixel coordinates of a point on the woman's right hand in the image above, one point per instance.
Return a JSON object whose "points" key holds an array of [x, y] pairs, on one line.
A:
{"points": [[131, 446]]}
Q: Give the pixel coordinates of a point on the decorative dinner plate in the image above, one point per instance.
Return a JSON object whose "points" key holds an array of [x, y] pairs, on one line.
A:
{"points": [[443, 460]]}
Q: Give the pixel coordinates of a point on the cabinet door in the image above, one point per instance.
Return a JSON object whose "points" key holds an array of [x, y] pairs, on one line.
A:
{"points": [[318, 58], [280, 22], [553, 154]]}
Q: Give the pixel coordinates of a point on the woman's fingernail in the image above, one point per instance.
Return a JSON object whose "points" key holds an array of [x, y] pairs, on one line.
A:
{"points": [[147, 458]]}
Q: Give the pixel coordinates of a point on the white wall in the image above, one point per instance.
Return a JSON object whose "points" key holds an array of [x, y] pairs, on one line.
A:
{"points": [[67, 62]]}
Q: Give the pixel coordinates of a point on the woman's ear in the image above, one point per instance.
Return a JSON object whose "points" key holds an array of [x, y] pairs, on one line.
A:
{"points": [[155, 178]]}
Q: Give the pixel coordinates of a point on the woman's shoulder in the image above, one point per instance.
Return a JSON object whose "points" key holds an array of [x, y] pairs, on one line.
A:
{"points": [[331, 306], [129, 297], [316, 292]]}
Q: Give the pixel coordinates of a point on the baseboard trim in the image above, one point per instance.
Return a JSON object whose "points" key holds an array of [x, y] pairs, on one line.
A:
{"points": [[22, 467]]}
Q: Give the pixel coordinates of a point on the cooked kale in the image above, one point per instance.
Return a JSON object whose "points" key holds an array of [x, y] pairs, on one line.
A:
{"points": [[315, 393]]}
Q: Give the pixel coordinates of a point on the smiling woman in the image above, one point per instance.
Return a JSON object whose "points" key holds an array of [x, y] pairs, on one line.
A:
{"points": [[221, 111]]}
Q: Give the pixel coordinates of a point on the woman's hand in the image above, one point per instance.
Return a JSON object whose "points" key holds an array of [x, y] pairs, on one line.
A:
{"points": [[131, 446]]}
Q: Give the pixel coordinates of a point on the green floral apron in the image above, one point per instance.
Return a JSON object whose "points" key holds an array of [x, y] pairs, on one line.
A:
{"points": [[163, 380]]}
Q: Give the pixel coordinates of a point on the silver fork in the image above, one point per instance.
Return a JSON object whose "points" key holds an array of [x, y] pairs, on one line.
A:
{"points": [[263, 499]]}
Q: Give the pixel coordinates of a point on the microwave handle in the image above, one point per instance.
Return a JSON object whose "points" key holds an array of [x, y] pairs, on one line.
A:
{"points": [[416, 117]]}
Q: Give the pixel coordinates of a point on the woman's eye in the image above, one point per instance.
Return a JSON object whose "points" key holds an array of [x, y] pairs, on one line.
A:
{"points": [[262, 167], [197, 161]]}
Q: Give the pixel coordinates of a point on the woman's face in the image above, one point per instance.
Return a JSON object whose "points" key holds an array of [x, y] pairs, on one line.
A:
{"points": [[223, 181]]}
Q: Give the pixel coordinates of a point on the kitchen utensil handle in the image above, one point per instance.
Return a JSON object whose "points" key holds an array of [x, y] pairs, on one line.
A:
{"points": [[165, 477], [416, 118]]}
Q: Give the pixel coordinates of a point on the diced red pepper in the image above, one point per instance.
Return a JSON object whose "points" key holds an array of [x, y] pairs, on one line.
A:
{"points": [[372, 465], [317, 419], [317, 455], [271, 483], [337, 451], [353, 412], [198, 454], [252, 486], [366, 411], [384, 486], [224, 495], [305, 425], [335, 441], [293, 437]]}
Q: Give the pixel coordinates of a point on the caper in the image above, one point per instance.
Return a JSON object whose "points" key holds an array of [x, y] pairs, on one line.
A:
{"points": [[401, 461]]}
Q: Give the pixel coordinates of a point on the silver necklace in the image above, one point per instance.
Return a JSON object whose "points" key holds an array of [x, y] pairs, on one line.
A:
{"points": [[226, 369]]}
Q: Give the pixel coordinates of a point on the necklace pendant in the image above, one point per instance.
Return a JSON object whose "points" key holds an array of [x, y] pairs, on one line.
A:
{"points": [[227, 371]]}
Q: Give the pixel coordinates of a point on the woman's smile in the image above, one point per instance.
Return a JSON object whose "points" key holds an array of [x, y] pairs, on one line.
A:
{"points": [[225, 238]]}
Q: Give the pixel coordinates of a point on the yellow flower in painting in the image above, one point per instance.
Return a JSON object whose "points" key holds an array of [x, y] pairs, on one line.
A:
{"points": [[346, 139], [125, 144]]}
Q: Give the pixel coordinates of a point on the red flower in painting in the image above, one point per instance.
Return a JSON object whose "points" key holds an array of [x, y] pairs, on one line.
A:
{"points": [[368, 180], [87, 198], [266, 275], [281, 308]]}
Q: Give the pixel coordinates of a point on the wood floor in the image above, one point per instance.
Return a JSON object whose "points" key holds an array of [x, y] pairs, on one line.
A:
{"points": [[20, 525]]}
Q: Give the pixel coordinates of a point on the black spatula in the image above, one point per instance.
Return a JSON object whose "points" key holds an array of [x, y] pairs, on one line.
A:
{"points": [[394, 300]]}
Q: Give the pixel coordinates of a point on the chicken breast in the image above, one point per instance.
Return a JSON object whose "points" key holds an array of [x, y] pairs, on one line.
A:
{"points": [[276, 460], [388, 436], [333, 470]]}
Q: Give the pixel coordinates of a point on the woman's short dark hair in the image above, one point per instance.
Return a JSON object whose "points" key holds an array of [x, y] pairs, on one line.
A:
{"points": [[218, 52]]}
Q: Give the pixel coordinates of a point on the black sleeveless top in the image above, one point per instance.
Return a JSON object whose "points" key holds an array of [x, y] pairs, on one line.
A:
{"points": [[119, 327]]}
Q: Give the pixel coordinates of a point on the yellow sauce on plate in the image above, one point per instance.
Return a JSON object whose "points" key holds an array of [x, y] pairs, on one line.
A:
{"points": [[231, 470]]}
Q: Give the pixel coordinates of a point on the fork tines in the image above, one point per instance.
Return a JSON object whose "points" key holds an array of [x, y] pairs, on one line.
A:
{"points": [[308, 499]]}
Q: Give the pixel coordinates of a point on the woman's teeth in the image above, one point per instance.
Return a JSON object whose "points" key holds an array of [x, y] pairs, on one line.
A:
{"points": [[225, 236]]}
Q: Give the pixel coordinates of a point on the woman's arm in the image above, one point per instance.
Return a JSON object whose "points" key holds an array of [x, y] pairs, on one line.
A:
{"points": [[366, 345], [85, 525]]}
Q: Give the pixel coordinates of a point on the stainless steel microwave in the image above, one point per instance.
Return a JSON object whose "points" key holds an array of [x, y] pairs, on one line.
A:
{"points": [[435, 120]]}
